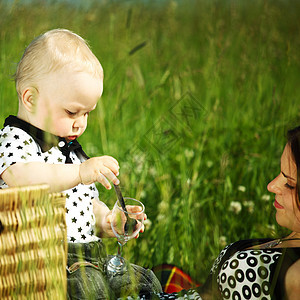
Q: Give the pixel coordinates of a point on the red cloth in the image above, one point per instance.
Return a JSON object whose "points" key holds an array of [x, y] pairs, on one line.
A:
{"points": [[173, 279]]}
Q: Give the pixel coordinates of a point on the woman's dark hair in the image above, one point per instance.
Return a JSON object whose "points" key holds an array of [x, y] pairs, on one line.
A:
{"points": [[293, 137]]}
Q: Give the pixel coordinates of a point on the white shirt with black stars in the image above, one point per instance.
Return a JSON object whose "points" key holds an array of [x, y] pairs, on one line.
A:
{"points": [[18, 146]]}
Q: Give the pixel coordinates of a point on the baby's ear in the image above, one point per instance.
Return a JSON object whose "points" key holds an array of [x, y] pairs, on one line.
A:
{"points": [[29, 98]]}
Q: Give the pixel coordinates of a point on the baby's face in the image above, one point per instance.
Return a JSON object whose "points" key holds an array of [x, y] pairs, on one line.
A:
{"points": [[64, 101]]}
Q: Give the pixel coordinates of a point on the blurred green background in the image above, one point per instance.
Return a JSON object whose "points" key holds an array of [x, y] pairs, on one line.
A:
{"points": [[197, 98]]}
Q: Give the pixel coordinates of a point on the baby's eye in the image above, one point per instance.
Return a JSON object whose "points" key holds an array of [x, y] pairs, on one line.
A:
{"points": [[289, 186], [70, 113]]}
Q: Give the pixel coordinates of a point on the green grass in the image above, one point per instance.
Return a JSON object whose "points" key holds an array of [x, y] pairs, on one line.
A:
{"points": [[198, 110]]}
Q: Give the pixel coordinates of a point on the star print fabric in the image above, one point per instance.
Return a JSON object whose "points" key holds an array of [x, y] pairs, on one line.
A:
{"points": [[17, 146], [79, 213]]}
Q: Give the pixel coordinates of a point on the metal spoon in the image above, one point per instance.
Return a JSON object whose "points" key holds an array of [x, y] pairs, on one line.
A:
{"points": [[130, 223]]}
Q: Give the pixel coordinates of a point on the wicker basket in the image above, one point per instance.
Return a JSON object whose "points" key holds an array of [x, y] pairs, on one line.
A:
{"points": [[33, 244]]}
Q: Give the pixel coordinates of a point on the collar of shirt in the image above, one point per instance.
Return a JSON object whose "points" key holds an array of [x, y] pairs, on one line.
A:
{"points": [[45, 139]]}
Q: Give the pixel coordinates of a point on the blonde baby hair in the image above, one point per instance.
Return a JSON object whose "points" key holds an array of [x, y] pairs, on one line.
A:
{"points": [[52, 51]]}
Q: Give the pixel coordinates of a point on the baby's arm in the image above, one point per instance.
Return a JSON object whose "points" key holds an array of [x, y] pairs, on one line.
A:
{"points": [[103, 218], [61, 177]]}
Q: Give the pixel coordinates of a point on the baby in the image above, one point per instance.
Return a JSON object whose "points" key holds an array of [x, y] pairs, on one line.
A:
{"points": [[59, 82]]}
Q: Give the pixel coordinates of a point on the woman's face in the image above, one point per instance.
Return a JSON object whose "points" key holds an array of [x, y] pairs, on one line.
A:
{"points": [[284, 188]]}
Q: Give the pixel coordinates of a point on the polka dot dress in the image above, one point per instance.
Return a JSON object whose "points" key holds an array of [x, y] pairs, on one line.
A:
{"points": [[246, 274], [18, 146]]}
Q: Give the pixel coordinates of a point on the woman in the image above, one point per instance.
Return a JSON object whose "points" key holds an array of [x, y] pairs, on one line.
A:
{"points": [[261, 268]]}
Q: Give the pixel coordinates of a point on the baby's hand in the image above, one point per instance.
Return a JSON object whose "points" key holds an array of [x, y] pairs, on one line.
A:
{"points": [[134, 221], [99, 169]]}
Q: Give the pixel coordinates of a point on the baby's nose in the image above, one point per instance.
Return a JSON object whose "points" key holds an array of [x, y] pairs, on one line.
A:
{"points": [[80, 122]]}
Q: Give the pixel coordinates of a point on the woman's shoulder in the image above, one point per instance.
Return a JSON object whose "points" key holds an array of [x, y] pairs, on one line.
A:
{"points": [[292, 280]]}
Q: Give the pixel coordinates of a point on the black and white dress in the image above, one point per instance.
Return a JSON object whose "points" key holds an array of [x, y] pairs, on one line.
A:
{"points": [[22, 142], [242, 273]]}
